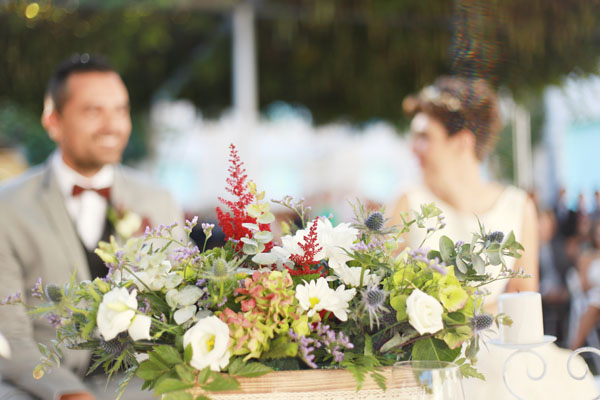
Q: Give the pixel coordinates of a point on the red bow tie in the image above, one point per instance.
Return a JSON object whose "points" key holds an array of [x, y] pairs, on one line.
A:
{"points": [[104, 192]]}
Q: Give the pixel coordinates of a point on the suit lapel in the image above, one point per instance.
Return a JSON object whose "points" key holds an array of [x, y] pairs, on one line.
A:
{"points": [[53, 205]]}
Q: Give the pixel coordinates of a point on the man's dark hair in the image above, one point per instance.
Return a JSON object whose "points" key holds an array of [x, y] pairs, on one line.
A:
{"points": [[57, 85]]}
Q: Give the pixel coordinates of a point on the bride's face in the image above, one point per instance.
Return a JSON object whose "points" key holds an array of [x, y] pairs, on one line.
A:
{"points": [[430, 143]]}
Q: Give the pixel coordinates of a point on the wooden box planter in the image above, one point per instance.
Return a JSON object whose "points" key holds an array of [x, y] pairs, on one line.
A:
{"points": [[318, 384]]}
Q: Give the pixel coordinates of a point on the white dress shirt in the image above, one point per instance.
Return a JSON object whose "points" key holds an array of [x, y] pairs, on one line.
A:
{"points": [[88, 210]]}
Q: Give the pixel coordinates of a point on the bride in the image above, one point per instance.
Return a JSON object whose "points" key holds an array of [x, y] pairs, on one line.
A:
{"points": [[455, 124]]}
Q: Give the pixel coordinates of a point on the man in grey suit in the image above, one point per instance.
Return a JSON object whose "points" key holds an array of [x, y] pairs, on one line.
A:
{"points": [[52, 216]]}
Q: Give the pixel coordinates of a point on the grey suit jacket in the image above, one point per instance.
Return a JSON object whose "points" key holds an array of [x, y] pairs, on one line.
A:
{"points": [[39, 239]]}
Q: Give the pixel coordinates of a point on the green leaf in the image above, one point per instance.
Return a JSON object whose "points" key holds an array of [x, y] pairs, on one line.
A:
{"points": [[149, 370], [467, 370], [398, 303], [433, 349], [171, 385], [478, 264], [157, 360], [461, 266], [188, 353], [281, 347], [203, 375], [169, 355], [235, 366], [493, 252], [446, 248], [180, 395], [221, 383], [254, 369], [185, 373]]}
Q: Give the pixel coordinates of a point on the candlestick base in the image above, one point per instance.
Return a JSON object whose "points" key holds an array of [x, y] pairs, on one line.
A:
{"points": [[522, 348]]}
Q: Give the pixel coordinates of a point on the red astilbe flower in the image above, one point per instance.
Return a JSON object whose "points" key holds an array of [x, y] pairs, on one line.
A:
{"points": [[231, 222], [304, 263]]}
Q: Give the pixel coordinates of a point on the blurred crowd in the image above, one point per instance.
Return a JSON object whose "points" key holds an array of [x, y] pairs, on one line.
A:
{"points": [[569, 257]]}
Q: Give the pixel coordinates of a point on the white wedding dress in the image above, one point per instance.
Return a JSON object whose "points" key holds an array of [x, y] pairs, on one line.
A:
{"points": [[506, 215]]}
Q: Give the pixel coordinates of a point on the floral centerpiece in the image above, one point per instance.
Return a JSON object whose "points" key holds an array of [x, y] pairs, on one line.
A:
{"points": [[182, 317]]}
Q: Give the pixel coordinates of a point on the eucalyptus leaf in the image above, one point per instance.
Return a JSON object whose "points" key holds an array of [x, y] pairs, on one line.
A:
{"points": [[263, 236], [461, 266], [266, 218], [446, 248], [478, 264]]}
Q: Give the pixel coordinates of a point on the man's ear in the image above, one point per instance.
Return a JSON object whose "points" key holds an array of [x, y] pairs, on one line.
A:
{"points": [[50, 120]]}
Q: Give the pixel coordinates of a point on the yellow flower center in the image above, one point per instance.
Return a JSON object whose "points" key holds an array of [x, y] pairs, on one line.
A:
{"points": [[314, 301], [210, 343]]}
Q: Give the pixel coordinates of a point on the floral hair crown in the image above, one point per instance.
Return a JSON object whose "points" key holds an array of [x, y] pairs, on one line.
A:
{"points": [[440, 98]]}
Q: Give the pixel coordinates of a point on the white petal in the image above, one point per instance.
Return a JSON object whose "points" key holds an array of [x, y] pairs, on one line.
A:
{"points": [[189, 295], [140, 327], [4, 347], [184, 314]]}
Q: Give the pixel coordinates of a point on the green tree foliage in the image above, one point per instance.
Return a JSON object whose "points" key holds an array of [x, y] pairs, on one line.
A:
{"points": [[342, 59]]}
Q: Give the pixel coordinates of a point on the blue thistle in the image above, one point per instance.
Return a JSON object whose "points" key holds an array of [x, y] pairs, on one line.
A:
{"points": [[53, 292], [375, 221], [373, 301], [481, 322], [496, 236]]}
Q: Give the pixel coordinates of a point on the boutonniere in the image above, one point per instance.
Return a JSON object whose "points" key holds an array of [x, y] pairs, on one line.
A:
{"points": [[127, 223]]}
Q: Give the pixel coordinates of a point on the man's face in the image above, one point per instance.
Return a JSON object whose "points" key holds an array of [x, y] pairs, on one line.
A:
{"points": [[94, 125]]}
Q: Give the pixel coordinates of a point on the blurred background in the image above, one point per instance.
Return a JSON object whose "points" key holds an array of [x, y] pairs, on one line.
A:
{"points": [[310, 92]]}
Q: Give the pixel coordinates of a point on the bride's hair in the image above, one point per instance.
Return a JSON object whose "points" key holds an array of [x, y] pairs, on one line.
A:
{"points": [[461, 103]]}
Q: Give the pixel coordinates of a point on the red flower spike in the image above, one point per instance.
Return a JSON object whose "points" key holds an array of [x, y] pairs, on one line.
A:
{"points": [[304, 263], [231, 222]]}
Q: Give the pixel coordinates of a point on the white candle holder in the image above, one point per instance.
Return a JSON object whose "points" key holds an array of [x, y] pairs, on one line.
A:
{"points": [[523, 349], [577, 352]]}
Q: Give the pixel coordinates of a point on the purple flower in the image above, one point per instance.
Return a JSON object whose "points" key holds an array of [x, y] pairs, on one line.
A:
{"points": [[38, 290], [12, 299], [54, 319]]}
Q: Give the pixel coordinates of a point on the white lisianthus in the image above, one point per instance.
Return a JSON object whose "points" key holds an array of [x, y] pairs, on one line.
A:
{"points": [[351, 276], [154, 277], [209, 339], [316, 295], [184, 299], [117, 313], [4, 347], [424, 312]]}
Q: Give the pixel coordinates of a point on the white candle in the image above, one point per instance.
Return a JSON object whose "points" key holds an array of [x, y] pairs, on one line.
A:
{"points": [[525, 310]]}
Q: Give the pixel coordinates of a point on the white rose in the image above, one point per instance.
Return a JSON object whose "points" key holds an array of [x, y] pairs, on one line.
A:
{"points": [[424, 312], [210, 343], [117, 313]]}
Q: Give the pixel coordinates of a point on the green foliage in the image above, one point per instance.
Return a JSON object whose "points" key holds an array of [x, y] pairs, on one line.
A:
{"points": [[362, 364], [433, 349]]}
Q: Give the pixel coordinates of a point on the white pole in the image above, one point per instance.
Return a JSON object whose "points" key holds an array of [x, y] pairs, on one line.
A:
{"points": [[522, 147], [245, 97]]}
